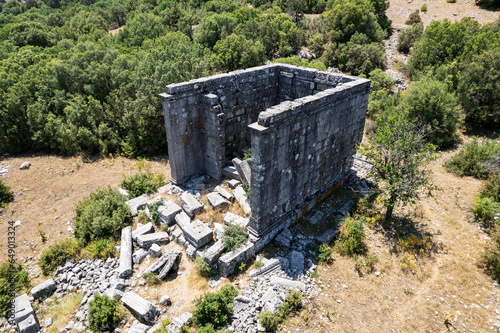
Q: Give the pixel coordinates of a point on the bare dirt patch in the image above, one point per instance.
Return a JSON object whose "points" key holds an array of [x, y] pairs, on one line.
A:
{"points": [[437, 10]]}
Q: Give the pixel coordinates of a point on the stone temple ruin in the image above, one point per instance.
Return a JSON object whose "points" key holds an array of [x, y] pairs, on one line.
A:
{"points": [[302, 125]]}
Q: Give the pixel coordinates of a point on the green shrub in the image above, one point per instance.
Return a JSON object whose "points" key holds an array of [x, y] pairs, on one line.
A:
{"points": [[215, 308], [143, 217], [451, 1], [485, 211], [103, 215], [6, 195], [429, 103], [367, 265], [234, 236], [351, 236], [423, 8], [325, 253], [316, 44], [142, 183], [153, 210], [408, 37], [164, 326], [57, 254], [209, 328], [298, 61], [152, 279], [99, 249], [11, 273], [103, 313], [471, 160], [414, 18], [492, 188], [292, 303], [491, 256], [203, 267]]}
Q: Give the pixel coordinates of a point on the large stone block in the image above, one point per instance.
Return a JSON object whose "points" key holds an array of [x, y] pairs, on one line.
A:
{"points": [[168, 212], [22, 308], [146, 241], [191, 205], [231, 219], [44, 289], [29, 325], [241, 197], [177, 323], [228, 262], [125, 269], [142, 229], [225, 194], [212, 254], [182, 220], [243, 170], [142, 309], [172, 263], [217, 201], [198, 233]]}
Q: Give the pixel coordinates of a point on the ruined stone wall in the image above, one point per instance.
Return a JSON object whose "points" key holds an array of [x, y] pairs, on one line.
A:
{"points": [[303, 126]]}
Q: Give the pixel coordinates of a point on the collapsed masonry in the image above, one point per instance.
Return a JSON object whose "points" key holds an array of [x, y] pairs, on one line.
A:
{"points": [[302, 125]]}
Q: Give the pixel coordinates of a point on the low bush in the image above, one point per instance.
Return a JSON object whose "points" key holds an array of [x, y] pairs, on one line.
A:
{"points": [[367, 265], [408, 37], [202, 267], [325, 253], [292, 303], [102, 215], [57, 254], [142, 183], [234, 236], [209, 328], [153, 210], [215, 308], [485, 211], [414, 18], [492, 188], [351, 236], [152, 279], [103, 313], [471, 160], [164, 326], [11, 273], [491, 256], [99, 249], [423, 8], [6, 195]]}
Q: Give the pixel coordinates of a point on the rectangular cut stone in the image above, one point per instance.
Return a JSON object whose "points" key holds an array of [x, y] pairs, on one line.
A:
{"points": [[137, 203], [228, 262], [217, 201], [177, 323], [168, 212], [139, 256], [29, 325], [212, 254], [125, 267], [44, 289], [141, 308], [182, 220], [198, 233], [142, 229], [243, 170], [241, 197], [171, 263], [225, 194], [22, 308], [233, 183], [191, 205], [231, 219], [146, 241], [158, 264], [279, 281], [230, 172]]}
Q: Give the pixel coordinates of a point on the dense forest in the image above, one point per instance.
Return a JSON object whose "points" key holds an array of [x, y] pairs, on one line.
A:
{"points": [[70, 84]]}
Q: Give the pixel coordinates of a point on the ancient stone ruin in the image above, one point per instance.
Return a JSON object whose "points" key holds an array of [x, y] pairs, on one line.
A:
{"points": [[301, 124]]}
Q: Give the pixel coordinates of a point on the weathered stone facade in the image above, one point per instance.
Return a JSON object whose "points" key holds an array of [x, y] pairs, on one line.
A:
{"points": [[302, 124]]}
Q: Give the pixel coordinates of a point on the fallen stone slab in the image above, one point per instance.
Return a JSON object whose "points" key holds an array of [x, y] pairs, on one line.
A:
{"points": [[270, 266], [233, 183], [225, 194], [243, 170], [125, 269], [233, 219], [177, 323], [139, 307], [137, 203], [191, 205], [241, 197], [219, 230], [139, 256], [241, 302], [327, 236], [158, 264], [172, 263], [168, 212], [212, 254], [146, 241], [296, 259], [142, 229], [270, 300], [279, 281], [44, 289], [316, 217], [284, 238], [155, 251], [230, 172], [198, 233], [217, 201], [182, 220], [139, 328], [22, 308], [28, 325], [228, 261], [176, 234], [123, 191]]}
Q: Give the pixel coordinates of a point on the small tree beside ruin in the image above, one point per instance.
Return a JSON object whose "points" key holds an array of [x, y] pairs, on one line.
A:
{"points": [[399, 153]]}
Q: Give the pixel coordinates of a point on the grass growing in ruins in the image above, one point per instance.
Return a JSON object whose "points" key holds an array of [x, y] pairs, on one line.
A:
{"points": [[152, 279], [143, 182], [203, 267], [325, 253], [153, 210], [60, 311], [292, 304], [234, 236], [351, 236]]}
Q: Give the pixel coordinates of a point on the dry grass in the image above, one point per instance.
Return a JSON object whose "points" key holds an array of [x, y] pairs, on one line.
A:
{"points": [[60, 312]]}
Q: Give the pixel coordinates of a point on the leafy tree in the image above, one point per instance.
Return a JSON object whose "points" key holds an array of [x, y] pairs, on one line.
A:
{"points": [[479, 89], [414, 18], [140, 28], [429, 103], [382, 101], [214, 28], [316, 44], [399, 153], [103, 313], [408, 37], [215, 308], [236, 52]]}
